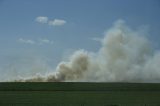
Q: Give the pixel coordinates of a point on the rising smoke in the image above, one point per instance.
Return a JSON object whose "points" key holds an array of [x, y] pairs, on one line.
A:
{"points": [[125, 56]]}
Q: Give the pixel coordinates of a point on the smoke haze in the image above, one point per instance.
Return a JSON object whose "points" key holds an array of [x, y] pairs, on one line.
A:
{"points": [[126, 55]]}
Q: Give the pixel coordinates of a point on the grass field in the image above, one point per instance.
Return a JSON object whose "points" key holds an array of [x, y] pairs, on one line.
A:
{"points": [[79, 94]]}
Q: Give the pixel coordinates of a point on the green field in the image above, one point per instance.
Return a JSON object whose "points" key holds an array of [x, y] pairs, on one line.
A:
{"points": [[79, 94]]}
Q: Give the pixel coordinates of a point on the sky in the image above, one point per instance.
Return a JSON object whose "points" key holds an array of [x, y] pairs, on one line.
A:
{"points": [[47, 31]]}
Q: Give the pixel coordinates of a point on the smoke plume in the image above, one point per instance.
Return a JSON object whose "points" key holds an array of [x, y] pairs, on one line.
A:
{"points": [[125, 56]]}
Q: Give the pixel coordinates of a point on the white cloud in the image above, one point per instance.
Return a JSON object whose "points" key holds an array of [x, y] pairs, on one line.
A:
{"points": [[26, 41], [97, 39], [37, 42], [45, 41], [57, 22], [42, 19]]}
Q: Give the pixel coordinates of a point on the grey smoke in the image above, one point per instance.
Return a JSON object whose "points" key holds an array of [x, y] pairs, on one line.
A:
{"points": [[125, 56]]}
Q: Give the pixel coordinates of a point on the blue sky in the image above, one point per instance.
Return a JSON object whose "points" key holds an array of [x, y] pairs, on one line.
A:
{"points": [[22, 36]]}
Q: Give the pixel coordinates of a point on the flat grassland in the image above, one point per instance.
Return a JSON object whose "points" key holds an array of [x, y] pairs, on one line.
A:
{"points": [[79, 94]]}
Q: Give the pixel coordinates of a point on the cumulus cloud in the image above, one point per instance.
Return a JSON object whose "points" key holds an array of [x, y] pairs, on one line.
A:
{"points": [[57, 22], [42, 19], [26, 41]]}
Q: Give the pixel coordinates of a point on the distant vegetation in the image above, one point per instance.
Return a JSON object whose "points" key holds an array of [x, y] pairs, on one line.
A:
{"points": [[79, 94]]}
